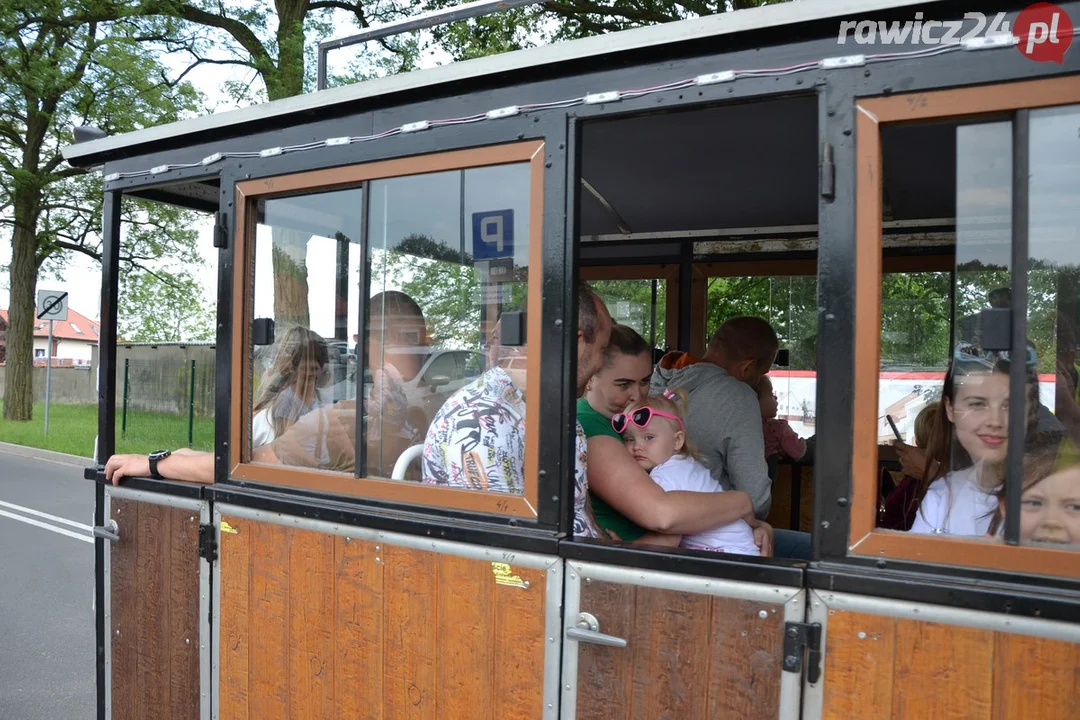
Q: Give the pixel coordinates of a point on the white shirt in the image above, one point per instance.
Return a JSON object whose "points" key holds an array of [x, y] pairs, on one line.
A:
{"points": [[681, 472], [956, 505]]}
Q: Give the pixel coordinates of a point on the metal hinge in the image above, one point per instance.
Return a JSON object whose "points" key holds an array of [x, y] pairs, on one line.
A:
{"points": [[800, 637], [221, 231], [208, 543]]}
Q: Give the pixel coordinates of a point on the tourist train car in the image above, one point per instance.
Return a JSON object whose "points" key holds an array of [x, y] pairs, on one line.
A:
{"points": [[840, 168]]}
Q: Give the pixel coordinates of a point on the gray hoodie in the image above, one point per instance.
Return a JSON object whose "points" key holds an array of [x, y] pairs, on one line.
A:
{"points": [[724, 422]]}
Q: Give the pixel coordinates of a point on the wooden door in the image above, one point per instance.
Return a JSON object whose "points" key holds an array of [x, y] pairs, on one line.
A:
{"points": [[912, 660], [695, 647], [320, 620], [157, 640]]}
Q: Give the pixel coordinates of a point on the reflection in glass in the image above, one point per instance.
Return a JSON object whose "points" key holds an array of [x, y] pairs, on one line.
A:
{"points": [[1050, 501], [448, 259], [307, 259]]}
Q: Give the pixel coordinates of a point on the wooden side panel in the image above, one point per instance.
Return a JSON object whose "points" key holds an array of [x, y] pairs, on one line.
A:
{"points": [[154, 612], [745, 670], [519, 645], [234, 554], [466, 631], [358, 633], [1036, 678], [605, 673], [410, 634], [859, 652], [670, 645], [311, 623], [930, 670], [184, 638], [268, 621], [124, 589], [323, 626], [950, 666], [689, 655], [150, 604]]}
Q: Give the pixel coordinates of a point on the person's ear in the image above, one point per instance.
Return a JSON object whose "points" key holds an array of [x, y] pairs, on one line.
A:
{"points": [[680, 440], [949, 410]]}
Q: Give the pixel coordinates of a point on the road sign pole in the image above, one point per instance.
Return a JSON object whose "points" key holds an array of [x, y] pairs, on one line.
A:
{"points": [[48, 376]]}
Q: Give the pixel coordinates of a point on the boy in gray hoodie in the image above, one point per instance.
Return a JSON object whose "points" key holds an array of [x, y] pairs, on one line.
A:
{"points": [[724, 418]]}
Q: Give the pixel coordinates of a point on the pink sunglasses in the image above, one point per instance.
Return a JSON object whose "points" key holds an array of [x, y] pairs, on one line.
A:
{"points": [[641, 417]]}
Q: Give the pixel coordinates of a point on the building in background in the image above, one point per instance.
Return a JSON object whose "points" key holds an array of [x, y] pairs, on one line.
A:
{"points": [[73, 339]]}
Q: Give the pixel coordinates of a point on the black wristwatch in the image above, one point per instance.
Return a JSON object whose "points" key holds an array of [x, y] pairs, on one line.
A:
{"points": [[156, 457]]}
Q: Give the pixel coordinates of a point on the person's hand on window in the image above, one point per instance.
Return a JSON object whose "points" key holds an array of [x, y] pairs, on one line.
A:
{"points": [[119, 467], [912, 459]]}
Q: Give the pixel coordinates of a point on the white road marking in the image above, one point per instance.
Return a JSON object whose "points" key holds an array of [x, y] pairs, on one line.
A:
{"points": [[46, 526], [47, 516]]}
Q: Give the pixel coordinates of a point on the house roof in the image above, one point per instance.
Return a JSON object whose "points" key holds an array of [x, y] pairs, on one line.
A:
{"points": [[77, 327]]}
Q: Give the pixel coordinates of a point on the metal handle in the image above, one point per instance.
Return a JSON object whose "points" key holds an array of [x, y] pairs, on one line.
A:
{"points": [[110, 531], [588, 630]]}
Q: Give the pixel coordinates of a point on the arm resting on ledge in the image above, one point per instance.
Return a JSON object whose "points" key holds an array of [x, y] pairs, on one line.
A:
{"points": [[183, 465]]}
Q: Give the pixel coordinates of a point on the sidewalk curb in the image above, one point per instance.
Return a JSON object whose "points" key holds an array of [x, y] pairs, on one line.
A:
{"points": [[39, 454]]}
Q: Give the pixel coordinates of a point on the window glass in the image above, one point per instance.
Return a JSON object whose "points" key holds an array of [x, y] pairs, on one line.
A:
{"points": [[445, 283], [448, 258], [951, 408], [639, 304], [307, 260], [1050, 498]]}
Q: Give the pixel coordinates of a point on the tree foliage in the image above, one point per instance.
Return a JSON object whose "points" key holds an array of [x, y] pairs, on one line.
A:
{"points": [[54, 73]]}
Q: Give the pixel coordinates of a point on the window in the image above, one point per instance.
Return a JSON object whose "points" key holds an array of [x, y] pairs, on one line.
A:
{"points": [[1000, 476], [75, 328], [386, 300], [643, 297]]}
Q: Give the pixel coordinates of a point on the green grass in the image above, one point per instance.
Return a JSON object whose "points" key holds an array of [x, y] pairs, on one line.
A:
{"points": [[72, 429]]}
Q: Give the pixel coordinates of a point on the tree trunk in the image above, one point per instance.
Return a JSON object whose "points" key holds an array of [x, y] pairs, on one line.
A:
{"points": [[290, 279], [19, 387]]}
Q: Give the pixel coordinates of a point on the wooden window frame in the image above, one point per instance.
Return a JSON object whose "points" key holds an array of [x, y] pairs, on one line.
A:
{"points": [[864, 538], [668, 272], [338, 178]]}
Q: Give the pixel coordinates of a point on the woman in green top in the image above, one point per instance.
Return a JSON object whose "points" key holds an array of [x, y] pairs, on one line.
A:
{"points": [[623, 380], [625, 500]]}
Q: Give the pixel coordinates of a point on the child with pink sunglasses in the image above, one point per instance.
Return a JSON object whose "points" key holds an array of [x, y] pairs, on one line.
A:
{"points": [[655, 435]]}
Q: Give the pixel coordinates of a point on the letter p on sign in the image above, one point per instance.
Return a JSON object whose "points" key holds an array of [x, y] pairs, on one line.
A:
{"points": [[493, 234], [1045, 32]]}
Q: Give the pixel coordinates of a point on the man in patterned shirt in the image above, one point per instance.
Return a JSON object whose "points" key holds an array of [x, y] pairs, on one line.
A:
{"points": [[477, 439]]}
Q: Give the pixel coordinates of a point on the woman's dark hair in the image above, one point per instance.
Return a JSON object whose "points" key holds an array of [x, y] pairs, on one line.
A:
{"points": [[624, 341]]}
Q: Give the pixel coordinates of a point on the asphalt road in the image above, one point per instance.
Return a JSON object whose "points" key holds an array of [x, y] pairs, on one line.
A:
{"points": [[46, 589]]}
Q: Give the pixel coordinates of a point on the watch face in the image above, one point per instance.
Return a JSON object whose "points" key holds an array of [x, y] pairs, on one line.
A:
{"points": [[160, 454]]}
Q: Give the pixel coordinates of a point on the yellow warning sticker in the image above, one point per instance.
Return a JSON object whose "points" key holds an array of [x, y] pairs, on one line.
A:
{"points": [[227, 528], [504, 575]]}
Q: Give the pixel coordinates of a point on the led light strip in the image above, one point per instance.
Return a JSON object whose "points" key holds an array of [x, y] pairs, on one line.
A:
{"points": [[989, 42]]}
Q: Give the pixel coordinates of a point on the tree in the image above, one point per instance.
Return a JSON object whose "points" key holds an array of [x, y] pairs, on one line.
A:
{"points": [[162, 307], [55, 73]]}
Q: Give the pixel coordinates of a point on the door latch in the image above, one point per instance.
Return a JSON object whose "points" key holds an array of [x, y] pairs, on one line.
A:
{"points": [[587, 630]]}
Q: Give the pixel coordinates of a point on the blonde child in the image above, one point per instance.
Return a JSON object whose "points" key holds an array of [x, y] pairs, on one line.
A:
{"points": [[1050, 502], [655, 435]]}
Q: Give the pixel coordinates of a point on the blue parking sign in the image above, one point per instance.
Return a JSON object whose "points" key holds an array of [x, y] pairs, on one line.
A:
{"points": [[493, 234]]}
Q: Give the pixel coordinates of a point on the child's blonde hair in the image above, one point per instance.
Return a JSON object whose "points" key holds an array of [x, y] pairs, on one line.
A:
{"points": [[674, 401]]}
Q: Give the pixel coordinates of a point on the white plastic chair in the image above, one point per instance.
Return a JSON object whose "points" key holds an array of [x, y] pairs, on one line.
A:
{"points": [[403, 462]]}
